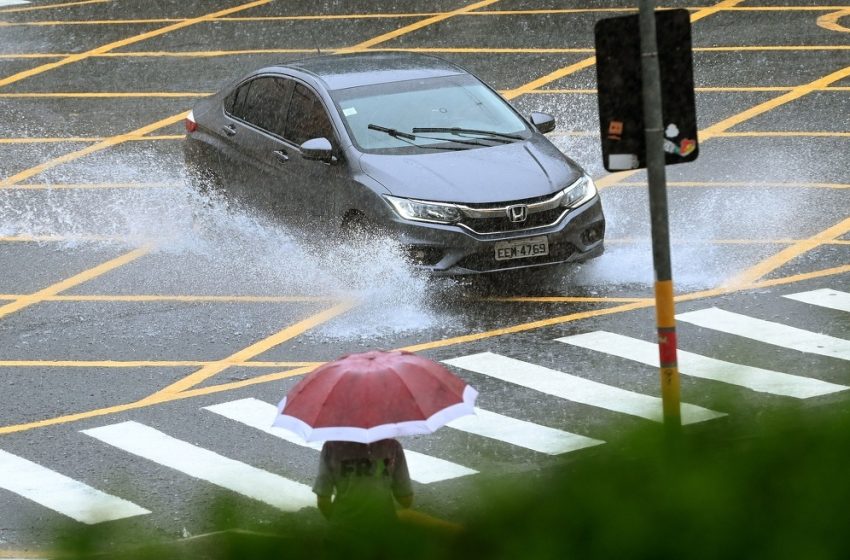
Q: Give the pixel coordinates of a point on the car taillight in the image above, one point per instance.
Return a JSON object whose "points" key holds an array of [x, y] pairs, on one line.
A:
{"points": [[191, 125]]}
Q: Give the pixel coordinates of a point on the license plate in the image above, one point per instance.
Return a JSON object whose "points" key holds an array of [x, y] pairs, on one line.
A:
{"points": [[522, 248]]}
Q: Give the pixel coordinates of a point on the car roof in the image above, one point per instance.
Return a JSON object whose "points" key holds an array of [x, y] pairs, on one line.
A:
{"points": [[359, 69]]}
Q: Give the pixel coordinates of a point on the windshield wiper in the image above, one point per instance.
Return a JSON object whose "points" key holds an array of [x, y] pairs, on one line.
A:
{"points": [[455, 130], [391, 131], [409, 138]]}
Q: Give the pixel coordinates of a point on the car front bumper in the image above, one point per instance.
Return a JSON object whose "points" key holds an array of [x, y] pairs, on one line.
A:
{"points": [[453, 250]]}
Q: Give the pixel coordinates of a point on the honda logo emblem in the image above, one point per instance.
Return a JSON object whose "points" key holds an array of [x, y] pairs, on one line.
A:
{"points": [[517, 213]]}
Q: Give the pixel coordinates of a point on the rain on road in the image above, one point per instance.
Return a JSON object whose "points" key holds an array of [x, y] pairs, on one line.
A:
{"points": [[130, 305]]}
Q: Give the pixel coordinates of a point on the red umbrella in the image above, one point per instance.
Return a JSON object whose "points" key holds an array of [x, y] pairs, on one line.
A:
{"points": [[374, 395]]}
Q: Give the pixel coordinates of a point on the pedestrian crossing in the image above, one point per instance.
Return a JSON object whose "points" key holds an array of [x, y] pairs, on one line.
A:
{"points": [[695, 365], [574, 388], [287, 491], [61, 493], [831, 299], [768, 332]]}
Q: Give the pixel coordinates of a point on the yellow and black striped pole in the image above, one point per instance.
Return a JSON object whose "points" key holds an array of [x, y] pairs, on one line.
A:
{"points": [[655, 161]]}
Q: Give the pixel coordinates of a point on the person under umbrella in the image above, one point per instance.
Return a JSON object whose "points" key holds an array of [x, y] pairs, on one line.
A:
{"points": [[357, 405], [358, 481]]}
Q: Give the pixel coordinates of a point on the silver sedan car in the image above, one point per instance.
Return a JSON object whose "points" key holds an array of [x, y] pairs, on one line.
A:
{"points": [[410, 146]]}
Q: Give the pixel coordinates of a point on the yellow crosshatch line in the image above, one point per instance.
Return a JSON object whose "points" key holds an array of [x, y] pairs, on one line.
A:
{"points": [[404, 15], [50, 6], [133, 298], [431, 50], [127, 41], [194, 379], [96, 147], [830, 21], [76, 280], [277, 376], [84, 186], [104, 94], [132, 364]]}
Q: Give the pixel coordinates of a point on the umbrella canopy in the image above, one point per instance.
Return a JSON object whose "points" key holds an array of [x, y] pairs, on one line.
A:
{"points": [[374, 395]]}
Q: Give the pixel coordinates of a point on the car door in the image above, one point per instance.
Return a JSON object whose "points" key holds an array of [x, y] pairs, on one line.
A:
{"points": [[313, 191], [256, 113]]}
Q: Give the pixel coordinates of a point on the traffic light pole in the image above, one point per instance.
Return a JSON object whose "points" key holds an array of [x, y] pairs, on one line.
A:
{"points": [[655, 167]]}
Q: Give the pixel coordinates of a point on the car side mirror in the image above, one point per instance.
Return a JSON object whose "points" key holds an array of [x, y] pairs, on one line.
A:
{"points": [[543, 122], [317, 149]]}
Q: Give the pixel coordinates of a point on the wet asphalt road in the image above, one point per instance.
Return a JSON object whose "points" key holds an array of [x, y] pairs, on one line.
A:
{"points": [[116, 282]]}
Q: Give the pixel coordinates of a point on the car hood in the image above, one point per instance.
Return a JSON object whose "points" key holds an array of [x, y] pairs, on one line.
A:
{"points": [[516, 171]]}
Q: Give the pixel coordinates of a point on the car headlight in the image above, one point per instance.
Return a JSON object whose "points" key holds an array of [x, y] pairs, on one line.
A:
{"points": [[579, 192], [425, 211]]}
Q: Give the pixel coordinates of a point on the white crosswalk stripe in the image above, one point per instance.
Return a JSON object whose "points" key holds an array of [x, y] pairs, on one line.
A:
{"points": [[695, 365], [61, 493], [833, 299], [207, 465], [576, 389], [521, 433], [260, 415], [768, 332], [4, 3]]}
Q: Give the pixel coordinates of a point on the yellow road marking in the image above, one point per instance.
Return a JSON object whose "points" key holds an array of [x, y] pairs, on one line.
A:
{"points": [[551, 77], [85, 276], [564, 299], [433, 50], [781, 134], [163, 398], [128, 41], [830, 21], [741, 184], [82, 186], [144, 403], [183, 298], [131, 364], [416, 26], [52, 238], [104, 94], [251, 351], [628, 240], [197, 299], [802, 277], [49, 6], [208, 53], [31, 55], [108, 142], [775, 48], [761, 108], [357, 16], [781, 258], [591, 61]]}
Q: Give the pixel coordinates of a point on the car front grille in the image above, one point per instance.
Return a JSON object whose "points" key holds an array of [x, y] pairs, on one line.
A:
{"points": [[487, 260], [542, 211], [503, 224]]}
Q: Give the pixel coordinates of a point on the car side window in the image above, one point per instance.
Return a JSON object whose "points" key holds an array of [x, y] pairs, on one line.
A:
{"points": [[263, 103], [307, 118]]}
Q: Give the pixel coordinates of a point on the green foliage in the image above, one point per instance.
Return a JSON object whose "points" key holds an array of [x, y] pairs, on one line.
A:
{"points": [[776, 492]]}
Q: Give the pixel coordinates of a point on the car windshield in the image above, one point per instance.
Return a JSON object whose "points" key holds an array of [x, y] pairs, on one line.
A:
{"points": [[459, 101]]}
